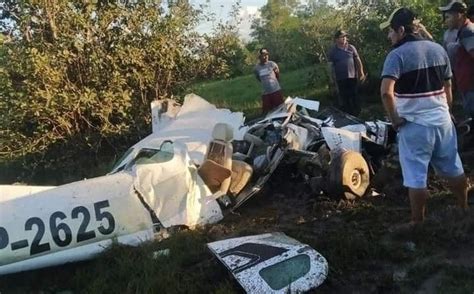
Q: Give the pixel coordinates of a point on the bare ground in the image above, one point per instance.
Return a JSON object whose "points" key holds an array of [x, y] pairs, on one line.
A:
{"points": [[366, 251]]}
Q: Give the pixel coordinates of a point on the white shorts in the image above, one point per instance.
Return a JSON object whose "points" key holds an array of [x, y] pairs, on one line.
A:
{"points": [[420, 145]]}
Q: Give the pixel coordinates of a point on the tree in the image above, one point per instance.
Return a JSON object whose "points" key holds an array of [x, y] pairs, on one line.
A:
{"points": [[279, 29], [225, 55], [81, 74]]}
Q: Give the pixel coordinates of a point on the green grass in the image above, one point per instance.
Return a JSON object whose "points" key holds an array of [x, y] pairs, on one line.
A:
{"points": [[243, 93], [457, 279], [188, 268]]}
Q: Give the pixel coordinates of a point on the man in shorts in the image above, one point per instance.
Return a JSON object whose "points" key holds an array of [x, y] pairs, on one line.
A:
{"points": [[416, 93], [268, 74]]}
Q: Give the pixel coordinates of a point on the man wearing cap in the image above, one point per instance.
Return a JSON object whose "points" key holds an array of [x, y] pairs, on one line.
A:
{"points": [[463, 60], [346, 66], [268, 74], [470, 13], [416, 93]]}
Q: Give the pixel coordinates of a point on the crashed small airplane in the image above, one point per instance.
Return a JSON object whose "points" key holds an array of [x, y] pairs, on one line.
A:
{"points": [[198, 161]]}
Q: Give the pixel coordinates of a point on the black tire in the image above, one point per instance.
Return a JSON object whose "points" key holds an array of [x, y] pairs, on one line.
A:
{"points": [[349, 175]]}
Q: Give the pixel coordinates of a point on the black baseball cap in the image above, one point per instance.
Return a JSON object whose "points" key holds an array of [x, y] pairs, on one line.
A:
{"points": [[340, 33], [454, 6], [470, 11], [400, 17]]}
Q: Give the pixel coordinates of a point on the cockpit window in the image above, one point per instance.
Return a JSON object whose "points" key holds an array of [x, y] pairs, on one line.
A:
{"points": [[148, 156], [120, 161]]}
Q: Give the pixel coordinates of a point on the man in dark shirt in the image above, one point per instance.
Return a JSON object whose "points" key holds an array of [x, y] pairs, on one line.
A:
{"points": [[455, 15], [346, 67]]}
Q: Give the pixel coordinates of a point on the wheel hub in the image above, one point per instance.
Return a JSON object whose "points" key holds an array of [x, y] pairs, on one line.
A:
{"points": [[356, 179]]}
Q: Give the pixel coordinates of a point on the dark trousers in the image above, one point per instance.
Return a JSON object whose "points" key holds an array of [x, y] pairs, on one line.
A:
{"points": [[348, 100], [272, 100]]}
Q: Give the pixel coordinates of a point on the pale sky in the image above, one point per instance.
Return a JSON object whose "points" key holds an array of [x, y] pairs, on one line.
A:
{"points": [[248, 12], [222, 8]]}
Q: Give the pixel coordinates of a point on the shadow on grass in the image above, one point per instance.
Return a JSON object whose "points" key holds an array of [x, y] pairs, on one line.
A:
{"points": [[188, 268]]}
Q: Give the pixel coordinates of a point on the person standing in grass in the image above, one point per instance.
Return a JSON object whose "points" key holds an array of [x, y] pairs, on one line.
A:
{"points": [[345, 66], [455, 15], [268, 74], [416, 94]]}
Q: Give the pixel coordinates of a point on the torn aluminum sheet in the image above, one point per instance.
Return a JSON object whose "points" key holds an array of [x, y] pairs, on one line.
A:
{"points": [[192, 126], [342, 139], [309, 140], [297, 137], [173, 190], [373, 131], [271, 263], [73, 222], [305, 103], [288, 108]]}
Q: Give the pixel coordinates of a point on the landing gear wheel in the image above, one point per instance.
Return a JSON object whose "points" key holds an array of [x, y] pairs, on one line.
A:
{"points": [[349, 175]]}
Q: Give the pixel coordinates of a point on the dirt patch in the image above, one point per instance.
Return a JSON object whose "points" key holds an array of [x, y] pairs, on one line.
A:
{"points": [[364, 255]]}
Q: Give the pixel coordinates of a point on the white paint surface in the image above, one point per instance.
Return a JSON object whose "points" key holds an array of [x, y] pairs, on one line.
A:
{"points": [[8, 192], [193, 126], [250, 278], [339, 138], [113, 211], [175, 192]]}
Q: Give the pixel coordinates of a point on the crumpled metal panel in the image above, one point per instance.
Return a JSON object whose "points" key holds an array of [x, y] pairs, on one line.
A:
{"points": [[175, 192], [271, 263]]}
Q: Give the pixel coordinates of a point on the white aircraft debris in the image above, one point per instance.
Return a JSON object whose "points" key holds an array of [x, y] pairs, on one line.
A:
{"points": [[198, 160], [271, 263]]}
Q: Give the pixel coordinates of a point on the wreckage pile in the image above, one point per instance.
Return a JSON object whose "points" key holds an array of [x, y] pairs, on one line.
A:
{"points": [[198, 161]]}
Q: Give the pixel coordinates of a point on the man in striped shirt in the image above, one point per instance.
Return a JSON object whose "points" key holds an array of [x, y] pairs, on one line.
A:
{"points": [[416, 93]]}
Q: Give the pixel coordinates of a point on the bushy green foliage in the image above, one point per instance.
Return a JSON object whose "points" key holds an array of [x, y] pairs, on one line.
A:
{"points": [[79, 76], [279, 31], [89, 71], [226, 55]]}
